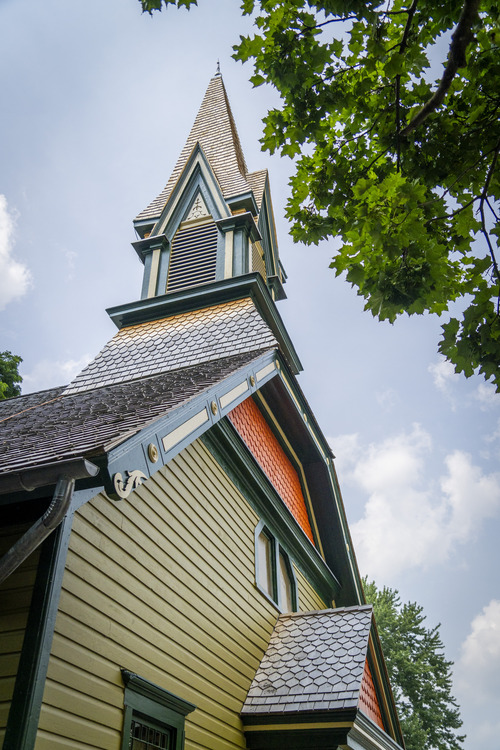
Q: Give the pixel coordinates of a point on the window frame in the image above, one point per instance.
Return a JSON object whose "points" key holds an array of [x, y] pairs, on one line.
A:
{"points": [[276, 550], [145, 700]]}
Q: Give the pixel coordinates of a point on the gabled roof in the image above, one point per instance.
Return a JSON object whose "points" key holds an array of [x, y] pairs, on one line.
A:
{"points": [[214, 129], [314, 662], [54, 426]]}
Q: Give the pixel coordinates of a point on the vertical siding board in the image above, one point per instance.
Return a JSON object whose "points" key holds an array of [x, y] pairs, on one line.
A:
{"points": [[163, 584], [15, 598]]}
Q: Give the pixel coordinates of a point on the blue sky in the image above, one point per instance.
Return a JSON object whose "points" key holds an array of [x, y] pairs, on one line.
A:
{"points": [[97, 102]]}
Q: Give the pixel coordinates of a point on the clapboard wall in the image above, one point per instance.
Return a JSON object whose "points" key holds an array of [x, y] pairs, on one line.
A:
{"points": [[162, 584], [15, 598]]}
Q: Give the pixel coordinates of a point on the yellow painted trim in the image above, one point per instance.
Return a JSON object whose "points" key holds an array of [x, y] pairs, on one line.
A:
{"points": [[292, 727], [228, 254], [265, 371], [312, 517], [184, 430], [233, 393], [153, 276]]}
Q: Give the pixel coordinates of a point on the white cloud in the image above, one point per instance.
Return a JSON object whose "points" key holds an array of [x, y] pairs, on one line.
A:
{"points": [[411, 520], [477, 677], [15, 278], [478, 668], [443, 373], [487, 396], [47, 374]]}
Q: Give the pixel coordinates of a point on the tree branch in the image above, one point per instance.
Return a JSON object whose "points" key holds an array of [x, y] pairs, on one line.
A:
{"points": [[484, 230], [460, 39]]}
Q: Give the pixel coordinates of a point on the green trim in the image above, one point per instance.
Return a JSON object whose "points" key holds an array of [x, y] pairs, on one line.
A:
{"points": [[144, 699], [22, 724], [277, 550], [214, 293], [232, 454], [240, 221]]}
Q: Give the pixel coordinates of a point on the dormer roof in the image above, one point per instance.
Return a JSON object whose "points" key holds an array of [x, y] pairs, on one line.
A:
{"points": [[215, 131]]}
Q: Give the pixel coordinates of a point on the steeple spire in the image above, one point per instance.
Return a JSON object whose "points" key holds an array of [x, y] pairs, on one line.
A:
{"points": [[213, 220], [215, 130]]}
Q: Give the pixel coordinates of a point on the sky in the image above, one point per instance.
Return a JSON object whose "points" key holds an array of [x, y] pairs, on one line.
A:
{"points": [[97, 101]]}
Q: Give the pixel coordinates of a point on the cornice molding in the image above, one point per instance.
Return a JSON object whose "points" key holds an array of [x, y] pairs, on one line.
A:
{"points": [[206, 295]]}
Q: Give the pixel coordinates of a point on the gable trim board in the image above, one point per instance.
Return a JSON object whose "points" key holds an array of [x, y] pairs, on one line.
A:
{"points": [[26, 703]]}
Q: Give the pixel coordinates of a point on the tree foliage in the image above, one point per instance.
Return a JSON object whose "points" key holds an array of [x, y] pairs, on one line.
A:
{"points": [[419, 673], [9, 375], [404, 170]]}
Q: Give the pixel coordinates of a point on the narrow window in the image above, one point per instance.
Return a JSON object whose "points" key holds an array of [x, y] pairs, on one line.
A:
{"points": [[273, 571], [285, 584], [265, 563]]}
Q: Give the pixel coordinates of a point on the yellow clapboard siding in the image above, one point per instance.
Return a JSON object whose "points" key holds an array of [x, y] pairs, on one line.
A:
{"points": [[185, 669], [309, 599], [215, 655], [190, 576], [58, 722], [163, 584], [64, 673], [48, 741]]}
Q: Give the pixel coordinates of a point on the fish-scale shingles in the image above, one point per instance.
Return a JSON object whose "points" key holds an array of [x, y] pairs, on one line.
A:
{"points": [[314, 662], [83, 424], [180, 341]]}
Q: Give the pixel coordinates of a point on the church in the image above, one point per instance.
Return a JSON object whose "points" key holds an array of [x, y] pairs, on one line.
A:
{"points": [[175, 562]]}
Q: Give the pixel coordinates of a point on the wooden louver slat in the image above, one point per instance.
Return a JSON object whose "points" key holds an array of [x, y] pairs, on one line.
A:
{"points": [[193, 257]]}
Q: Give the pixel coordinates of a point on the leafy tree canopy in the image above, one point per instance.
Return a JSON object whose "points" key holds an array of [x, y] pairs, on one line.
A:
{"points": [[9, 375], [404, 170], [419, 673]]}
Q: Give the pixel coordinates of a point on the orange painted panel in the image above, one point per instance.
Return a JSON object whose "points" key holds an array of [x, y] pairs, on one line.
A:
{"points": [[265, 448], [368, 702]]}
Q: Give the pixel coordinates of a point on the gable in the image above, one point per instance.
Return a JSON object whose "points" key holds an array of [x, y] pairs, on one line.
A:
{"points": [[265, 448]]}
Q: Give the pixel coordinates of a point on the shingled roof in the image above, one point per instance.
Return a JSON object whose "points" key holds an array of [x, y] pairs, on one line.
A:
{"points": [[214, 129], [53, 426], [314, 663], [181, 340]]}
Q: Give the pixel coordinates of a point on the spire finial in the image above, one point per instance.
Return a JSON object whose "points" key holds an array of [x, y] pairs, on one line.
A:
{"points": [[217, 72]]}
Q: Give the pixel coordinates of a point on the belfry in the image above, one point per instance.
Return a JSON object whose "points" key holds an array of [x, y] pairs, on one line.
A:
{"points": [[176, 565]]}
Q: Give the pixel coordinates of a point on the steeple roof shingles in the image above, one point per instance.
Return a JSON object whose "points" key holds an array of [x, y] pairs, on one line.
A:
{"points": [[214, 129]]}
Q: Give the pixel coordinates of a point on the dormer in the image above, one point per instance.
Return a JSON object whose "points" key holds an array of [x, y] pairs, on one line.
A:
{"points": [[214, 219]]}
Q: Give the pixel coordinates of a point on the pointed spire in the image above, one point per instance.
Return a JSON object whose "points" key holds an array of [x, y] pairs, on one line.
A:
{"points": [[217, 72], [214, 129]]}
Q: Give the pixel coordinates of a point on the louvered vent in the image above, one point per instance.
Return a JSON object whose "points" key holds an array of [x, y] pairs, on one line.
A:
{"points": [[193, 257], [258, 263]]}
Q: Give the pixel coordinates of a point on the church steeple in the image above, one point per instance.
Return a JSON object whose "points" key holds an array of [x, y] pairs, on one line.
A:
{"points": [[213, 220]]}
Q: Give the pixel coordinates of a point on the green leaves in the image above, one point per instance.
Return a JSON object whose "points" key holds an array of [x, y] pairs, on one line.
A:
{"points": [[419, 672], [9, 375], [407, 209]]}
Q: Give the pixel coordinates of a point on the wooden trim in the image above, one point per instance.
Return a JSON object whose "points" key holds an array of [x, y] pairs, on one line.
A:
{"points": [[24, 714]]}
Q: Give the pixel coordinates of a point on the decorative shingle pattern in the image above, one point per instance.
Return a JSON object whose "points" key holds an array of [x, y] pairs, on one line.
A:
{"points": [[179, 341], [314, 662], [368, 702], [85, 424], [262, 443], [215, 131]]}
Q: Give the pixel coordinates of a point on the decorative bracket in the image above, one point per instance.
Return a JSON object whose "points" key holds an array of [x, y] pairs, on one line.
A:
{"points": [[122, 489]]}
